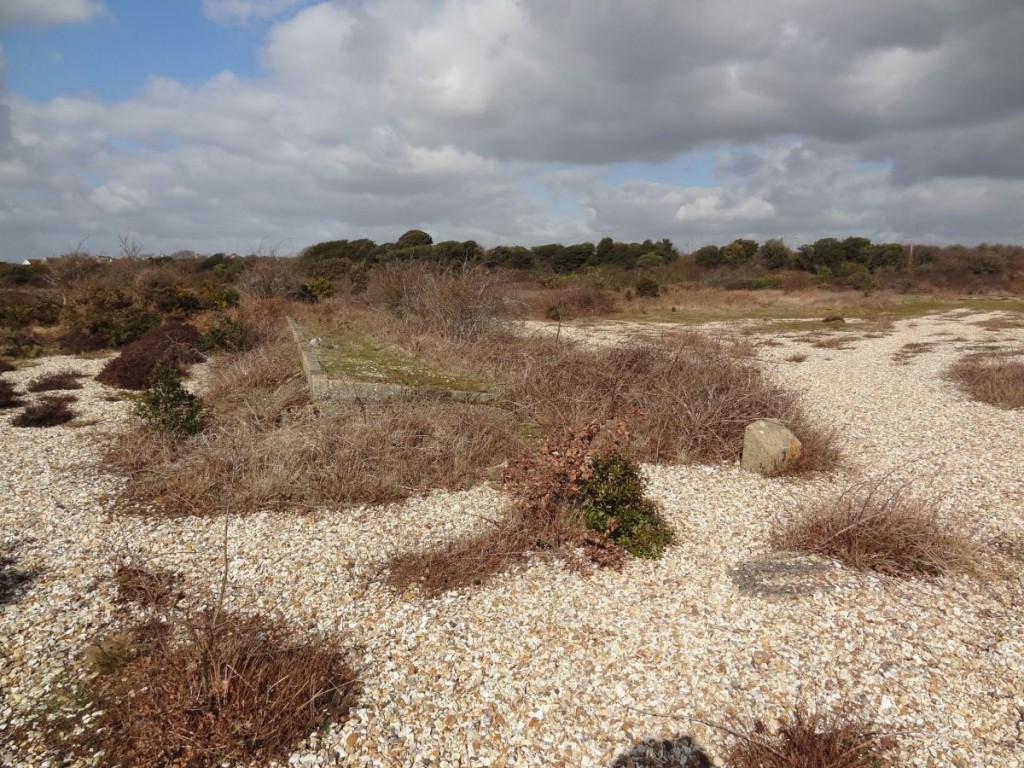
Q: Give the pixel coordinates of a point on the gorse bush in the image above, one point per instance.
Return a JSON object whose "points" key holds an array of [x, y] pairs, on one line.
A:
{"points": [[228, 335], [105, 319], [168, 407], [616, 505], [566, 496]]}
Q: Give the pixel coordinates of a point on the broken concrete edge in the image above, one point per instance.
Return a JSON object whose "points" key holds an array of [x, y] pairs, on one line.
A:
{"points": [[324, 387]]}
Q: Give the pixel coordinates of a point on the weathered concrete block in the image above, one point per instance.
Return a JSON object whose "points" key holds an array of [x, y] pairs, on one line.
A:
{"points": [[768, 447]]}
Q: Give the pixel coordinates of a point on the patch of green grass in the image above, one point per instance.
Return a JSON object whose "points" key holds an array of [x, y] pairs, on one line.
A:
{"points": [[355, 355]]}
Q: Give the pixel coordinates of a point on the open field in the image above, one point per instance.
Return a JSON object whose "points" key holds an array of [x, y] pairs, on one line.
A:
{"points": [[555, 663]]}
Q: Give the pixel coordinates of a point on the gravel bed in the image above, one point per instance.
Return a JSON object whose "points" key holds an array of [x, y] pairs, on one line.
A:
{"points": [[548, 666]]}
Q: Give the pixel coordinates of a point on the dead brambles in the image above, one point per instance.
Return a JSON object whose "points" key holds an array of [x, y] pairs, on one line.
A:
{"points": [[878, 527], [571, 495]]}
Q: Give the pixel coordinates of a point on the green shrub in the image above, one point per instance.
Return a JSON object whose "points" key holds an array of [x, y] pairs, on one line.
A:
{"points": [[168, 406], [105, 319], [227, 335], [316, 289], [647, 288], [616, 505], [218, 296]]}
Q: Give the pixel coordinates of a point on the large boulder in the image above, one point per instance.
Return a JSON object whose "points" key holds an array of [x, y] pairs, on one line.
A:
{"points": [[768, 447]]}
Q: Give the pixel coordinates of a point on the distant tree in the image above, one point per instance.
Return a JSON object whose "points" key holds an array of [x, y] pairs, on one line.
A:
{"points": [[667, 250], [708, 256], [739, 251], [651, 259], [511, 256], [335, 258], [856, 250], [572, 257], [775, 254], [603, 252], [414, 238], [886, 255], [545, 255], [825, 254]]}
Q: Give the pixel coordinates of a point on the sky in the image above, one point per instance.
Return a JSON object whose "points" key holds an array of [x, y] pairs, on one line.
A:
{"points": [[269, 125]]}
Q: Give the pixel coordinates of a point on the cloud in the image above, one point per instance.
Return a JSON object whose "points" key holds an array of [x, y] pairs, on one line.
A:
{"points": [[46, 13], [495, 119], [245, 12], [804, 190]]}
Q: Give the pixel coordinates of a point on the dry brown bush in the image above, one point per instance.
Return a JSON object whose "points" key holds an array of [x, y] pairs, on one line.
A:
{"points": [[809, 739], [49, 411], [208, 689], [148, 588], [457, 303], [547, 514], [695, 396], [996, 379], [174, 345], [60, 380], [8, 395], [875, 525], [579, 298]]}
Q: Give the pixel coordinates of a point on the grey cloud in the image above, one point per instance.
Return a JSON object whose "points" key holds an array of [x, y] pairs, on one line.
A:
{"points": [[374, 117]]}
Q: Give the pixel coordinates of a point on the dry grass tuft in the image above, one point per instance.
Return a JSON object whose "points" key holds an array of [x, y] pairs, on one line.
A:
{"points": [[208, 690], [50, 411], [832, 342], [910, 350], [333, 454], [996, 379], [875, 526], [812, 740], [797, 358], [61, 380]]}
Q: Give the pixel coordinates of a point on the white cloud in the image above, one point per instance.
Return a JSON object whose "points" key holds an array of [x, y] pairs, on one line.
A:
{"points": [[49, 12], [246, 11], [714, 208]]}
